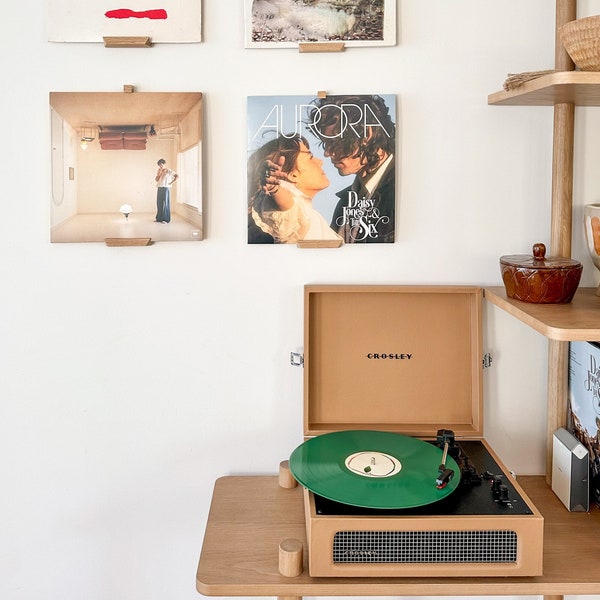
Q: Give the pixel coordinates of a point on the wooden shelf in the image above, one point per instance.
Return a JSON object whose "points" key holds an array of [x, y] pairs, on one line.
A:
{"points": [[251, 515], [578, 320], [577, 87]]}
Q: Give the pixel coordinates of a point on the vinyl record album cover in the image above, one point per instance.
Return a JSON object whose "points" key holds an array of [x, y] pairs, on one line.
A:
{"points": [[125, 167], [287, 23], [321, 168], [584, 405], [169, 21]]}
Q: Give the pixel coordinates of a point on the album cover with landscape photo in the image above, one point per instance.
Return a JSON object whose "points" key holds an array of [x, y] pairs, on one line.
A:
{"points": [[287, 23], [321, 168]]}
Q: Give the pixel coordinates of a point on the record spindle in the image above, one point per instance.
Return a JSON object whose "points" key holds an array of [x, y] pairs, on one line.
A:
{"points": [[290, 557]]}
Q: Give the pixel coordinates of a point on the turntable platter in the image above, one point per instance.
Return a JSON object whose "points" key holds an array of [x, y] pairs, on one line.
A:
{"points": [[374, 469]]}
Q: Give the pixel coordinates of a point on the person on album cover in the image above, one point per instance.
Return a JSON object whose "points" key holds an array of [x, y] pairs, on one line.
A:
{"points": [[283, 178], [165, 178], [361, 146]]}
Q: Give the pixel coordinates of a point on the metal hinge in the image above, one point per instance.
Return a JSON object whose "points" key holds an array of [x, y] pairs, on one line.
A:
{"points": [[487, 360], [296, 359]]}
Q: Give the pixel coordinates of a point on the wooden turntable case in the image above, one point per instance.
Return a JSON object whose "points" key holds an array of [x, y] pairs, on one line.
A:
{"points": [[405, 359]]}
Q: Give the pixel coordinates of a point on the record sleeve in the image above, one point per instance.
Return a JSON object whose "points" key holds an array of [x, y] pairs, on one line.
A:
{"points": [[321, 169], [584, 405]]}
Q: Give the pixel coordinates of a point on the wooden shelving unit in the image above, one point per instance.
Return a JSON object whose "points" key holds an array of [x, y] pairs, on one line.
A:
{"points": [[563, 89]]}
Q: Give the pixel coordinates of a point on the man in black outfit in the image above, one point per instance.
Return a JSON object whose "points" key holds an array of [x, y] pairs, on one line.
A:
{"points": [[358, 135]]}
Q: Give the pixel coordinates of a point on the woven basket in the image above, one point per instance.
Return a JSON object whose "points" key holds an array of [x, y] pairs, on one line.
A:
{"points": [[581, 39]]}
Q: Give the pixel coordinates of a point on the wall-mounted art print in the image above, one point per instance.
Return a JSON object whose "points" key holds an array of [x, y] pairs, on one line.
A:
{"points": [[126, 166], [287, 23], [167, 21], [321, 168]]}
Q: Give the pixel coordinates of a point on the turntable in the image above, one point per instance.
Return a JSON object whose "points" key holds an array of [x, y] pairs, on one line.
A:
{"points": [[398, 480]]}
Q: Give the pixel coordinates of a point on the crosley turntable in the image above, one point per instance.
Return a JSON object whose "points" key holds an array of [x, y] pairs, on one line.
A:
{"points": [[397, 478]]}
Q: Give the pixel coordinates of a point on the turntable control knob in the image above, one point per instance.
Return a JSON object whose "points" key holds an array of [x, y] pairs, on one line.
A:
{"points": [[496, 484], [503, 494]]}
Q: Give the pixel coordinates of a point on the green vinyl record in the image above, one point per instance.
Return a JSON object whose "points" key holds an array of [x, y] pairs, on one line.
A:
{"points": [[372, 469]]}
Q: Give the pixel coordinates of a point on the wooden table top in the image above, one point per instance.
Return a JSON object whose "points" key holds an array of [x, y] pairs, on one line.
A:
{"points": [[251, 515]]}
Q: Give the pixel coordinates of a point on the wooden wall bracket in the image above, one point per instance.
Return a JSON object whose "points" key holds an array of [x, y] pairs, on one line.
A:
{"points": [[321, 46], [320, 243], [141, 241], [127, 42]]}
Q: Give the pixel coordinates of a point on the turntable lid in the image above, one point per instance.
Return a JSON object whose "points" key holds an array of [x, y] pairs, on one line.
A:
{"points": [[393, 358]]}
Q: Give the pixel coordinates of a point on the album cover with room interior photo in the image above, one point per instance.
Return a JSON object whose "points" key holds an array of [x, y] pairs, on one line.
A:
{"points": [[126, 166]]}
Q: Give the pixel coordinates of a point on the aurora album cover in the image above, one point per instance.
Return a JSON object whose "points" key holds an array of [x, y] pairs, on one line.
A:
{"points": [[321, 168]]}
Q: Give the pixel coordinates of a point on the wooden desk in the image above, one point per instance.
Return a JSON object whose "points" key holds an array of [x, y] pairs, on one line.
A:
{"points": [[251, 515]]}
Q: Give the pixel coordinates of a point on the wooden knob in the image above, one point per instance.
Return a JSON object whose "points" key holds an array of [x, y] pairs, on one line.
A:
{"points": [[286, 479], [290, 557], [539, 251]]}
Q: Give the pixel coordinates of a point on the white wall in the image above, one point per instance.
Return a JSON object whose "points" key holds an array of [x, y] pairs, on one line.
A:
{"points": [[131, 378]]}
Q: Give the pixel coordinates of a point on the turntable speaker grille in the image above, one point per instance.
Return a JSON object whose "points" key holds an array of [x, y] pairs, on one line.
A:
{"points": [[425, 547]]}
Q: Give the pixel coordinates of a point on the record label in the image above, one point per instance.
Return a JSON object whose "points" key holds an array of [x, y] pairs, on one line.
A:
{"points": [[372, 469], [372, 464]]}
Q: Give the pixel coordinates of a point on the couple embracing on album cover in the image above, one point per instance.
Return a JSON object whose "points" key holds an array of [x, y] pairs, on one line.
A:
{"points": [[290, 195]]}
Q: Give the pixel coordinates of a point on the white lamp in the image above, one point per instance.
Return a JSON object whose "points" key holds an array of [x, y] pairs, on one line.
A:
{"points": [[126, 209]]}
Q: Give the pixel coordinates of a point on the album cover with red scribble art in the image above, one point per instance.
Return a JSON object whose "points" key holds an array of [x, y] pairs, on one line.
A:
{"points": [[166, 21]]}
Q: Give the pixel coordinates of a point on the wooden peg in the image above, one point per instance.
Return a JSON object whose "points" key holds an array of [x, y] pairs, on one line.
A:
{"points": [[129, 89], [290, 557], [286, 479], [321, 94], [127, 42]]}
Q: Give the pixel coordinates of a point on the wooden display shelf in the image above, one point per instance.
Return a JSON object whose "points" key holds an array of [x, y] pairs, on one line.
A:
{"points": [[579, 320], [251, 515], [576, 87]]}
